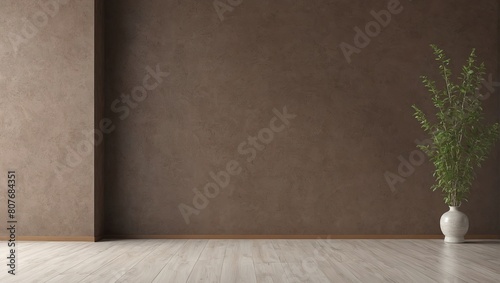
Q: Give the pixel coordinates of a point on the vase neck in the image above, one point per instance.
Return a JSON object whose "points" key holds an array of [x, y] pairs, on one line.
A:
{"points": [[453, 208]]}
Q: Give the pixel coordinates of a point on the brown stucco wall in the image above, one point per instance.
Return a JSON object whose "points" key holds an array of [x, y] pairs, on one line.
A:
{"points": [[324, 173], [47, 81]]}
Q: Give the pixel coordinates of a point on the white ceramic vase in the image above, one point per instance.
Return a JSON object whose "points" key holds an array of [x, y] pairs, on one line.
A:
{"points": [[454, 225]]}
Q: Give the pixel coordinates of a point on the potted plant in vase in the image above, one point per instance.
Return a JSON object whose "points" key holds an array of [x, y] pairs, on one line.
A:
{"points": [[461, 139]]}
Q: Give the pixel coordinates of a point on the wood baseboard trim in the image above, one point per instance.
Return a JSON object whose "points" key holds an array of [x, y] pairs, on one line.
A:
{"points": [[482, 237], [55, 238], [346, 237], [228, 237]]}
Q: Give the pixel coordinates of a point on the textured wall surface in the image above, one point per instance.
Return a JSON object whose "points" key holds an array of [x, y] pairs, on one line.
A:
{"points": [[98, 117], [323, 172], [47, 83]]}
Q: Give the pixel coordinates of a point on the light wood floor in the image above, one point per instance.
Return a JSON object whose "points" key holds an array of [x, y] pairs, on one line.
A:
{"points": [[236, 261]]}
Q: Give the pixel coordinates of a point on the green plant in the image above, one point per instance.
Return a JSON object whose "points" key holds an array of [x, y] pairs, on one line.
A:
{"points": [[461, 140]]}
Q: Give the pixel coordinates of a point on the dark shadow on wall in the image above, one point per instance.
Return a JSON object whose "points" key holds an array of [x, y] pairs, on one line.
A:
{"points": [[114, 41], [98, 116], [498, 76]]}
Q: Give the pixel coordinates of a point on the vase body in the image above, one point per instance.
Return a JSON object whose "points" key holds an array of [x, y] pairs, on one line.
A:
{"points": [[454, 225]]}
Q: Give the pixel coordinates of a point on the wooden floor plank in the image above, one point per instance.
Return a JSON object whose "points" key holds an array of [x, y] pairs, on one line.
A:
{"points": [[304, 273], [98, 256], [180, 266], [263, 252], [46, 261], [113, 270], [51, 266], [238, 263], [149, 267], [271, 272], [208, 268], [267, 261]]}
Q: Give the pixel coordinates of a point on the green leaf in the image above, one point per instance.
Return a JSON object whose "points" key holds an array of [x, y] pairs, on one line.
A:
{"points": [[461, 138]]}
